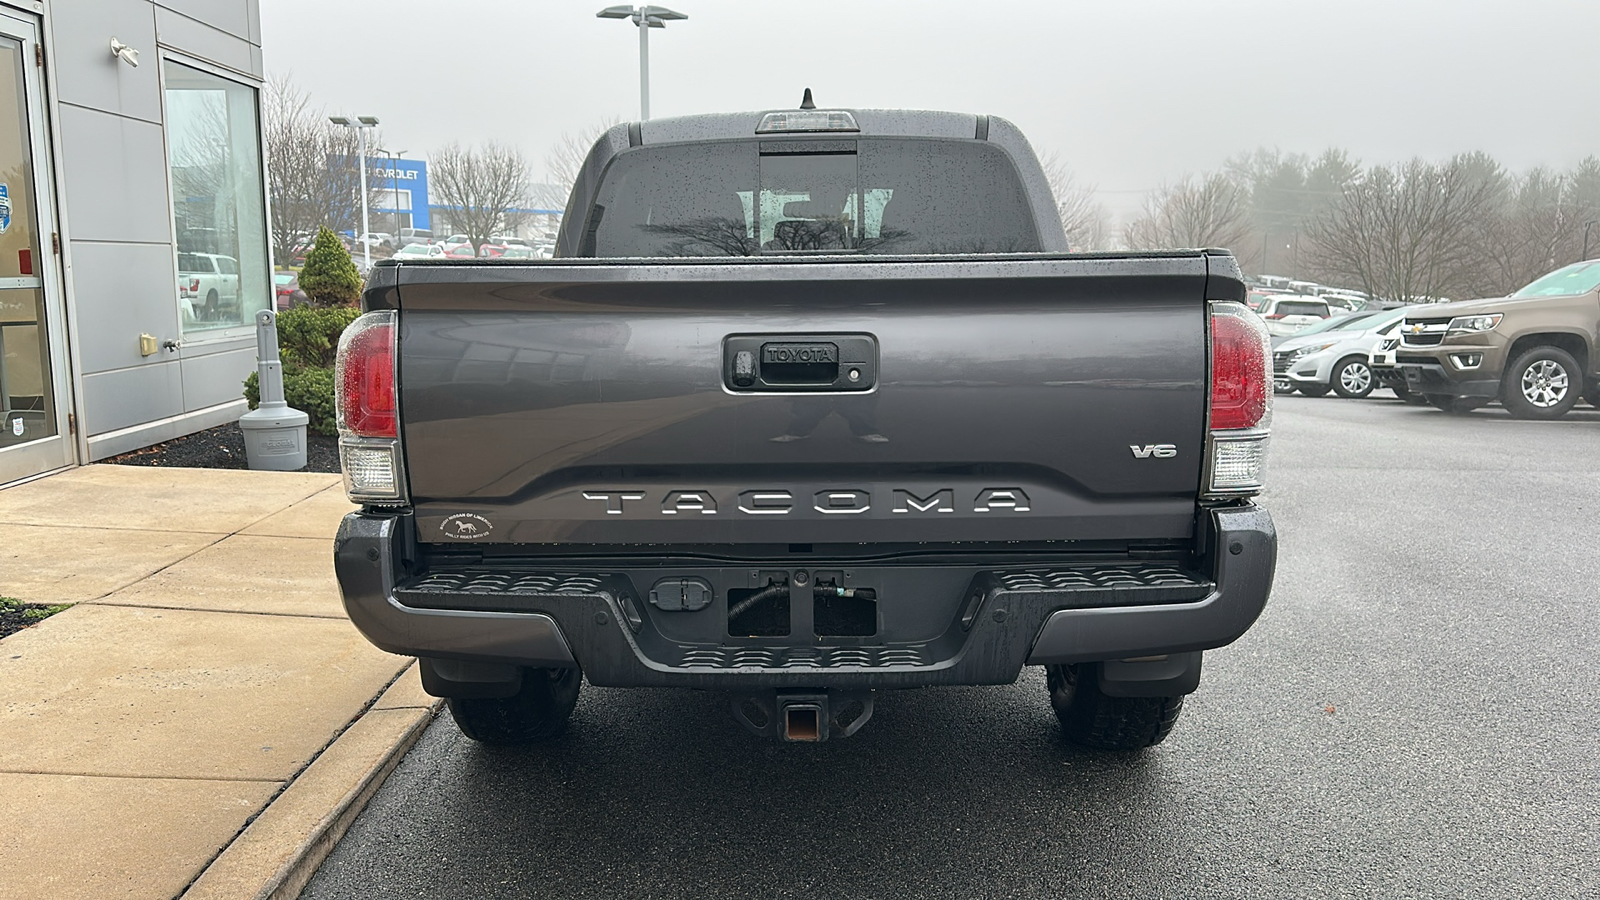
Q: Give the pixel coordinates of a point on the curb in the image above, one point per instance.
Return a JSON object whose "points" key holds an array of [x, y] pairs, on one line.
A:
{"points": [[277, 854]]}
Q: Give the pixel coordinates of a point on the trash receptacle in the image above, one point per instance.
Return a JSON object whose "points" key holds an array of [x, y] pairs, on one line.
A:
{"points": [[274, 432]]}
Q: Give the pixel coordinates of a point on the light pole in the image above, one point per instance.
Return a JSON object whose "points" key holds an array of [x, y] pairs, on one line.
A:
{"points": [[646, 17], [362, 125]]}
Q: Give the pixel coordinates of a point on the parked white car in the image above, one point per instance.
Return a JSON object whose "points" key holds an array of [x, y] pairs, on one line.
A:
{"points": [[1341, 304], [1288, 313], [209, 281], [1337, 359], [456, 242], [421, 251], [1384, 372]]}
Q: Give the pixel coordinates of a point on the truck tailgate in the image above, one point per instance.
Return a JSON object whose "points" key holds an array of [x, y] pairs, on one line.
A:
{"points": [[1013, 399]]}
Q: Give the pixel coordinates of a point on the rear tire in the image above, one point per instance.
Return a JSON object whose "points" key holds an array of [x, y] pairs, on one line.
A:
{"points": [[1352, 379], [1593, 396], [1313, 390], [537, 712], [1091, 719], [1543, 383]]}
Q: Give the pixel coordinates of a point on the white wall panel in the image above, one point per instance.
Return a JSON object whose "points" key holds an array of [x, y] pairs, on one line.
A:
{"points": [[115, 175], [126, 290], [216, 378], [197, 39], [239, 18], [125, 397], [86, 72]]}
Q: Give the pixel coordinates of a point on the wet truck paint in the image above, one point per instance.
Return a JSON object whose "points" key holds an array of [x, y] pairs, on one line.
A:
{"points": [[591, 403]]}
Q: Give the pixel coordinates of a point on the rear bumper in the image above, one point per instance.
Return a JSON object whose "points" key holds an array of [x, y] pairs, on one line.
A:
{"points": [[1002, 618]]}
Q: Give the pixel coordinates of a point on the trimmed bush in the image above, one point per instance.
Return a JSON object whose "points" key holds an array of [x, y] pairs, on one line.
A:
{"points": [[330, 277], [309, 390], [309, 336]]}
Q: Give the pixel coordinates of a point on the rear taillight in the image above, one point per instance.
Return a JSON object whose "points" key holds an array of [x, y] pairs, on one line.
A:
{"points": [[1240, 411], [366, 405]]}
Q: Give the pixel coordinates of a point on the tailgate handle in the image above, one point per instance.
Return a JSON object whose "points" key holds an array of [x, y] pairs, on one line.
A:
{"points": [[835, 362], [800, 363]]}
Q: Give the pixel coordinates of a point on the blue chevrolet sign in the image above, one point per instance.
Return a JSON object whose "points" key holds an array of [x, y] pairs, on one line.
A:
{"points": [[402, 186]]}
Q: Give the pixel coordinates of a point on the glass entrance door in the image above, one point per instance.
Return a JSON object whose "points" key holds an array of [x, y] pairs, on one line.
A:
{"points": [[34, 436]]}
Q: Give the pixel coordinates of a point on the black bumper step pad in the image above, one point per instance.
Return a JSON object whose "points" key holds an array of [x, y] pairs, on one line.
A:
{"points": [[866, 657], [1081, 587], [507, 592]]}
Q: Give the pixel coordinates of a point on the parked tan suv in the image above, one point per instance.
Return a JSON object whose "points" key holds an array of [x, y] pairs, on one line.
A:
{"points": [[1534, 351]]}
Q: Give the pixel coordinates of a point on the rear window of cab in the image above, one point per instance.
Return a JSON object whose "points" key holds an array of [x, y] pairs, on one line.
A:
{"points": [[753, 197]]}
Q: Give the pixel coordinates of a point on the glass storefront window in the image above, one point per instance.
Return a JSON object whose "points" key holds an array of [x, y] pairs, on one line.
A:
{"points": [[217, 199], [27, 403]]}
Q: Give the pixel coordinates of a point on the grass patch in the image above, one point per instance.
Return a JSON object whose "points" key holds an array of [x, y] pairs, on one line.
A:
{"points": [[16, 615]]}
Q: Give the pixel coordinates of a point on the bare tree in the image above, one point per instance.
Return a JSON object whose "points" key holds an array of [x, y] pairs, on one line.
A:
{"points": [[1410, 231], [1286, 191], [1541, 225], [565, 159], [1084, 218], [313, 175], [481, 188], [1208, 212]]}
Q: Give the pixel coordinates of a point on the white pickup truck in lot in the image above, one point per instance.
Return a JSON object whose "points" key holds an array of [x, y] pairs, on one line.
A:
{"points": [[209, 282]]}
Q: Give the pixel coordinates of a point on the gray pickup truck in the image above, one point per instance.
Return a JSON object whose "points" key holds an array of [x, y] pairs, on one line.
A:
{"points": [[811, 404]]}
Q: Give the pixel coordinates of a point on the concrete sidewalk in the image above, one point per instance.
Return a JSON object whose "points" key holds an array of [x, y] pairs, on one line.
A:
{"points": [[204, 721]]}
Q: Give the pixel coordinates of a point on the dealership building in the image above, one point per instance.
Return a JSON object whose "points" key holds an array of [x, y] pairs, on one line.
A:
{"points": [[401, 186], [133, 223]]}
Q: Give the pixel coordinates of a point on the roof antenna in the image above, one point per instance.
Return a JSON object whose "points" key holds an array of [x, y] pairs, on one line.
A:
{"points": [[806, 102]]}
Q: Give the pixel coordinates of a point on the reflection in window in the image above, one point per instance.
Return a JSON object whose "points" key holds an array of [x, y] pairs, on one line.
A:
{"points": [[740, 198], [217, 202]]}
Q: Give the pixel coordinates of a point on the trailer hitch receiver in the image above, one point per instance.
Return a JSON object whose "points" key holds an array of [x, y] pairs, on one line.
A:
{"points": [[803, 716]]}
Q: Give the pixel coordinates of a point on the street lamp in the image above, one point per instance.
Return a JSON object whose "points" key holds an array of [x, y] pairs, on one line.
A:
{"points": [[362, 125], [646, 17]]}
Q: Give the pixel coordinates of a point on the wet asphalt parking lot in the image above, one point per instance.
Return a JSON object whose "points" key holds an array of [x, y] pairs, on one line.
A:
{"points": [[1413, 716]]}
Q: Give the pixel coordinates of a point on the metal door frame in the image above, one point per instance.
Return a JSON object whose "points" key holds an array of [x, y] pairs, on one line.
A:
{"points": [[61, 449]]}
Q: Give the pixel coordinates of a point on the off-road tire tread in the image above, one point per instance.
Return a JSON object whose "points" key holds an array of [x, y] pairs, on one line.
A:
{"points": [[1093, 720], [538, 712], [1313, 390]]}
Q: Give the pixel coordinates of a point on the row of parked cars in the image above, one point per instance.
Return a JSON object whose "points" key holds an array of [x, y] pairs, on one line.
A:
{"points": [[1533, 351], [420, 244]]}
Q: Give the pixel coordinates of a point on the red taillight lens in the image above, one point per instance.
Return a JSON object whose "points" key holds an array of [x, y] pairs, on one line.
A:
{"points": [[1241, 368], [364, 377]]}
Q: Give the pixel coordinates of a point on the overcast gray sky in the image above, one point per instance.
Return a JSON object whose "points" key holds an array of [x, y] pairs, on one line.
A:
{"points": [[1131, 93]]}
